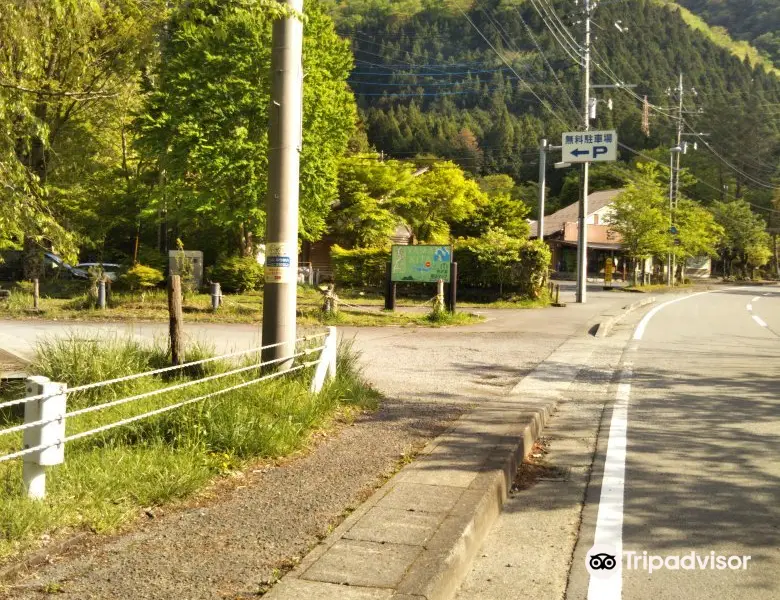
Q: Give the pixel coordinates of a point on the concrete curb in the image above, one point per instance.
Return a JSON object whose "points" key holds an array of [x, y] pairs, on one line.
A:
{"points": [[416, 537], [610, 319], [444, 558]]}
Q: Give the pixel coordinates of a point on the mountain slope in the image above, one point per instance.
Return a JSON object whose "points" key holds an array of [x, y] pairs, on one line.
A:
{"points": [[429, 84], [754, 21]]}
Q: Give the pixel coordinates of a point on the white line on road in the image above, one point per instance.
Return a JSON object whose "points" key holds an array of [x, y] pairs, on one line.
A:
{"points": [[758, 320], [749, 307], [756, 299], [640, 330], [609, 523]]}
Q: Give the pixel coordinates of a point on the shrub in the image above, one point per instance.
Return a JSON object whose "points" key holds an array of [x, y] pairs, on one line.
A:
{"points": [[527, 276], [141, 277], [531, 273], [360, 267], [237, 274]]}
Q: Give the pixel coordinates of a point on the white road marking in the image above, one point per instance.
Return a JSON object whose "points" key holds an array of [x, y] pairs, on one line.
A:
{"points": [[758, 320], [640, 330], [756, 299], [750, 307], [609, 523]]}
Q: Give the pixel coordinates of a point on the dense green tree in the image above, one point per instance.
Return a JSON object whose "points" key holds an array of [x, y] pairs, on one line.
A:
{"points": [[757, 21], [640, 215], [499, 250], [698, 232], [363, 214], [205, 122], [423, 75], [745, 244], [69, 75], [436, 198], [503, 208]]}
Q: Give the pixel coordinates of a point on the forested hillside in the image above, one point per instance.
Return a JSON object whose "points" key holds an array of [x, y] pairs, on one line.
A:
{"points": [[756, 21], [428, 82], [128, 125]]}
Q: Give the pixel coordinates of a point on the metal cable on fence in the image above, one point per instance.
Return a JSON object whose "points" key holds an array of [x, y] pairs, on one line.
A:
{"points": [[89, 386], [156, 392], [159, 411], [379, 312]]}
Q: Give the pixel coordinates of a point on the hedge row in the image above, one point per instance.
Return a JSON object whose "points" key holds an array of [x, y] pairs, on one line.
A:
{"points": [[365, 267]]}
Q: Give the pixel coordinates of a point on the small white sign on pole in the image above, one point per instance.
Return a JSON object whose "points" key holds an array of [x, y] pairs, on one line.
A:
{"points": [[590, 146]]}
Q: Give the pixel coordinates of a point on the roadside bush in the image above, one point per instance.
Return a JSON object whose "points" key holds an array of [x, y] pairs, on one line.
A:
{"points": [[359, 267], [527, 276], [108, 477], [237, 274], [141, 277], [530, 274]]}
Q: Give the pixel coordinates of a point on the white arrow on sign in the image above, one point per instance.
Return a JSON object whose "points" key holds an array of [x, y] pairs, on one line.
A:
{"points": [[590, 146]]}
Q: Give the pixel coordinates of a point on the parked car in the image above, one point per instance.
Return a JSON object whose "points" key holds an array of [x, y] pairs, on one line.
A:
{"points": [[55, 264], [111, 270]]}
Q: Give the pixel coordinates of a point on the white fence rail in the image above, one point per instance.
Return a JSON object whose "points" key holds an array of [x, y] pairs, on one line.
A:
{"points": [[46, 414]]}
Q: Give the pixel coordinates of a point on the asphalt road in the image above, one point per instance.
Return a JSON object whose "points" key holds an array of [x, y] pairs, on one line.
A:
{"points": [[684, 467], [702, 476]]}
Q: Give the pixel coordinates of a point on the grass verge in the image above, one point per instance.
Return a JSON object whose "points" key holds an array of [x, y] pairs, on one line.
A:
{"points": [[70, 302], [109, 479]]}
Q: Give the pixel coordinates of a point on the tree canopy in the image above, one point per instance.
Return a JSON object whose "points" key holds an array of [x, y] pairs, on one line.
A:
{"points": [[205, 121]]}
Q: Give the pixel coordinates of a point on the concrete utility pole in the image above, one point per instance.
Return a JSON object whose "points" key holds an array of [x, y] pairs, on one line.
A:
{"points": [[676, 174], [542, 185], [284, 141], [582, 240]]}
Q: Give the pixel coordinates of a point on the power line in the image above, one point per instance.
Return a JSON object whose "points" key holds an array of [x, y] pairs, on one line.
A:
{"points": [[530, 89], [501, 31], [544, 57], [564, 38], [698, 180]]}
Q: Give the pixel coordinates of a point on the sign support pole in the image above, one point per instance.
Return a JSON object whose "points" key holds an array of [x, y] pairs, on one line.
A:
{"points": [[284, 142], [542, 191]]}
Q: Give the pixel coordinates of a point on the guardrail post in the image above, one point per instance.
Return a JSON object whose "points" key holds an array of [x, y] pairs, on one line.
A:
{"points": [[101, 297], [216, 296], [52, 406], [326, 365]]}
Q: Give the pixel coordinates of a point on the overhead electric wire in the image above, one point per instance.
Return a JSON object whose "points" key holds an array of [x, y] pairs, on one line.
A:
{"points": [[504, 35], [698, 180], [564, 38], [489, 43], [544, 58]]}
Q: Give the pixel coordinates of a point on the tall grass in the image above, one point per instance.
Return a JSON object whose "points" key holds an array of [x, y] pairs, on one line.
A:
{"points": [[107, 478]]}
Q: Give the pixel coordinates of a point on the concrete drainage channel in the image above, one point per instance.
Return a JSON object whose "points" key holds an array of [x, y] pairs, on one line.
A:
{"points": [[415, 538]]}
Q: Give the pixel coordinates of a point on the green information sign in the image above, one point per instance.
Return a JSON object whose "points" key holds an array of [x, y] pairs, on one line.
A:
{"points": [[421, 263]]}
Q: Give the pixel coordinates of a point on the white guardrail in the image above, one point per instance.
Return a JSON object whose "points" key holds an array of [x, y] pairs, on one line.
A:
{"points": [[45, 406]]}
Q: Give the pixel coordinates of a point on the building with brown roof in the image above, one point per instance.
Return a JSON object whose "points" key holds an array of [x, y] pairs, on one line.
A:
{"points": [[561, 232]]}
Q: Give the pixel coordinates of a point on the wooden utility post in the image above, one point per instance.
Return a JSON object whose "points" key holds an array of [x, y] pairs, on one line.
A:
{"points": [[175, 319], [36, 294]]}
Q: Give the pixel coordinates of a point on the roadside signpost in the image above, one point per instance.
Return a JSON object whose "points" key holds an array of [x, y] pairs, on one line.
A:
{"points": [[590, 146], [427, 264], [422, 264]]}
